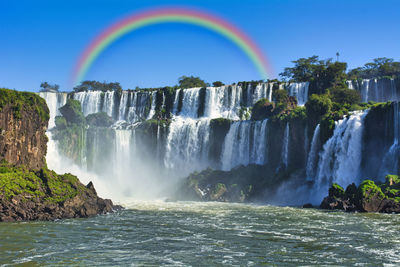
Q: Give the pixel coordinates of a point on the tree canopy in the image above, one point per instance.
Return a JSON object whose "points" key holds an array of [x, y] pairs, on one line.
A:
{"points": [[98, 86], [380, 67], [190, 82], [218, 84], [46, 87]]}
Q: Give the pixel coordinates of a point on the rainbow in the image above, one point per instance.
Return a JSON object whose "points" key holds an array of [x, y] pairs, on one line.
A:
{"points": [[170, 15]]}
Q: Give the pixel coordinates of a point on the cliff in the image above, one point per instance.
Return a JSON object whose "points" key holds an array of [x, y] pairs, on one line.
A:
{"points": [[29, 191], [23, 123]]}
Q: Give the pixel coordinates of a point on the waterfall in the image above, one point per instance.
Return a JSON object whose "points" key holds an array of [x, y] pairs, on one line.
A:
{"points": [[54, 101], [300, 91], [108, 105], [312, 156], [122, 152], [190, 102], [153, 105], [378, 89], [285, 147], [245, 143], [340, 160], [350, 85], [364, 90], [393, 90], [123, 106], [223, 102], [187, 145], [176, 102], [259, 144], [390, 161], [90, 101]]}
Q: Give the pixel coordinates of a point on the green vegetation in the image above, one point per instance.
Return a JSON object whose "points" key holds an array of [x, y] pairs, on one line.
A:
{"points": [[21, 102], [61, 122], [318, 107], [98, 86], [43, 184], [190, 82], [100, 119], [262, 109], [368, 189], [71, 129], [72, 112], [218, 84], [322, 74], [46, 87], [380, 67], [336, 191]]}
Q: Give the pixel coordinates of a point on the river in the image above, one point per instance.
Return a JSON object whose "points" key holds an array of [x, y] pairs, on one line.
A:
{"points": [[205, 234]]}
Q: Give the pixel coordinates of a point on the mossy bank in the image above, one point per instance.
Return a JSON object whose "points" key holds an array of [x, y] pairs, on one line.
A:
{"points": [[28, 189]]}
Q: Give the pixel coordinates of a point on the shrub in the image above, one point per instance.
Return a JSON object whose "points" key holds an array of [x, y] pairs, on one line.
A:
{"points": [[100, 119], [72, 112]]}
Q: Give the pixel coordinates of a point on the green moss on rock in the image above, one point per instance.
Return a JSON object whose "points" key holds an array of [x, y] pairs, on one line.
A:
{"points": [[26, 101]]}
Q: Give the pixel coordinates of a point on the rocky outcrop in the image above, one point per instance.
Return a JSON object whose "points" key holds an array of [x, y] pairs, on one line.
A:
{"points": [[368, 197], [28, 190], [23, 122], [45, 195]]}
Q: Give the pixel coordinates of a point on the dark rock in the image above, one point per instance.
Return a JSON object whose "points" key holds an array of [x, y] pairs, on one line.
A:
{"points": [[23, 122], [307, 206], [368, 197]]}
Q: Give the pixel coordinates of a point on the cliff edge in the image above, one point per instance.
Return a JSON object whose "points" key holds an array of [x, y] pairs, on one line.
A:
{"points": [[28, 190]]}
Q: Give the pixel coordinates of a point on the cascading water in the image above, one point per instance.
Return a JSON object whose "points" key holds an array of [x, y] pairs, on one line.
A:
{"points": [[312, 156], [378, 90], [190, 103], [54, 102], [187, 145], [90, 101], [340, 159], [285, 147], [390, 161], [245, 143], [183, 144], [300, 91]]}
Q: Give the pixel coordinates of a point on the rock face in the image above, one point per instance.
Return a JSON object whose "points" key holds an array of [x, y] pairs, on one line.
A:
{"points": [[45, 195], [29, 191], [23, 123], [368, 197]]}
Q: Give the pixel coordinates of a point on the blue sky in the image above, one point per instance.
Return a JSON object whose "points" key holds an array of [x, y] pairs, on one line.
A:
{"points": [[42, 40]]}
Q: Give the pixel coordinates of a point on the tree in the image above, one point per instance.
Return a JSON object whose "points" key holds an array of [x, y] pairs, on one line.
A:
{"points": [[46, 87], [72, 112], [98, 86], [280, 96], [190, 82], [380, 67], [303, 70], [318, 106], [343, 95], [218, 84]]}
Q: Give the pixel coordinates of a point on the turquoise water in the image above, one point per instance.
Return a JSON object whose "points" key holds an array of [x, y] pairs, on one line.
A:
{"points": [[205, 234]]}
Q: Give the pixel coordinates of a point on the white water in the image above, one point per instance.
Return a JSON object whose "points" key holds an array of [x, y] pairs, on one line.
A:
{"points": [[187, 145], [90, 101], [285, 147], [190, 103], [245, 143], [300, 91], [54, 102], [340, 159], [389, 164], [312, 156], [378, 90]]}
